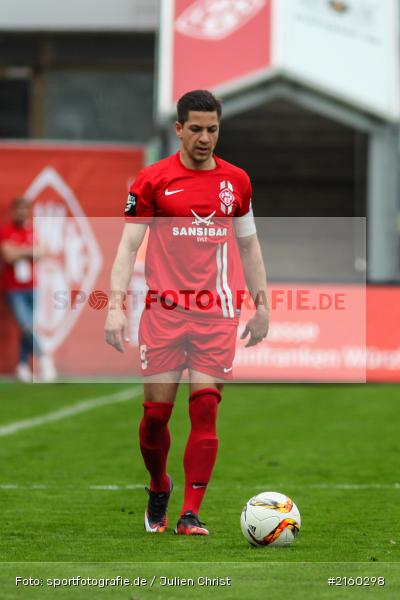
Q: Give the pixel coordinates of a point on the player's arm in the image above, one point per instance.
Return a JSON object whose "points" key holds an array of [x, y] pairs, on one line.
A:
{"points": [[115, 325], [10, 252], [256, 280]]}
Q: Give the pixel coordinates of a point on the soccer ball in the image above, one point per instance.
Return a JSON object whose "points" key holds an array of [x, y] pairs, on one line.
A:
{"points": [[270, 519]]}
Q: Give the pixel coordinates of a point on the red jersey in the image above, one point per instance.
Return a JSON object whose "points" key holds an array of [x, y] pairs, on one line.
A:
{"points": [[192, 259], [20, 274]]}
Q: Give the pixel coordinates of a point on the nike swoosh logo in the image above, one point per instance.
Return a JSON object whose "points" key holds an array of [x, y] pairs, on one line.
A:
{"points": [[167, 193], [197, 486], [227, 370]]}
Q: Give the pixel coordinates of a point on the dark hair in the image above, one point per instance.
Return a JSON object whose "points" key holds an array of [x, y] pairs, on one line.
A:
{"points": [[199, 100], [19, 201]]}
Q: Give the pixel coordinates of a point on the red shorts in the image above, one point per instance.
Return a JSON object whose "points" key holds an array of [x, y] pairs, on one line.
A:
{"points": [[171, 340]]}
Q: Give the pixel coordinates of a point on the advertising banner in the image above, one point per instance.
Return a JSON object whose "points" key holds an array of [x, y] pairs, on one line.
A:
{"points": [[66, 184], [211, 44], [317, 333], [383, 334]]}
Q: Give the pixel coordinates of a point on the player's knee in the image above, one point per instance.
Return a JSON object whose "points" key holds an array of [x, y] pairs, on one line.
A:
{"points": [[203, 408], [157, 414], [209, 394]]}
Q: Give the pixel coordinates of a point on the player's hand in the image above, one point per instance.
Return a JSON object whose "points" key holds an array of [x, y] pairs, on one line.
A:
{"points": [[115, 329], [257, 327], [38, 252]]}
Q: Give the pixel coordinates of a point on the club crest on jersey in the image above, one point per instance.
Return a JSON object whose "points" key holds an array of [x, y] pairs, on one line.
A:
{"points": [[130, 207], [226, 196]]}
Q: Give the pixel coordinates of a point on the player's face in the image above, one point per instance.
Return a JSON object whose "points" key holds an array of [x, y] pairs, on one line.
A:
{"points": [[198, 137], [20, 212]]}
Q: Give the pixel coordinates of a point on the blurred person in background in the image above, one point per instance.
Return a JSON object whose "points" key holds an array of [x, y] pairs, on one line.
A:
{"points": [[18, 281]]}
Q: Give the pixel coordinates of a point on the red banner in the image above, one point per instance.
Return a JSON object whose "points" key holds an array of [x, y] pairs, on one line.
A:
{"points": [[327, 333], [317, 333], [97, 175], [212, 45], [383, 334], [66, 184]]}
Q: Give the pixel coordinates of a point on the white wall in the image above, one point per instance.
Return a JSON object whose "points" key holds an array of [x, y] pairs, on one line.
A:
{"points": [[78, 15]]}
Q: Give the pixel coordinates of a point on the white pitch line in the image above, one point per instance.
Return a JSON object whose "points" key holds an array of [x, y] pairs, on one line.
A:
{"points": [[355, 486], [137, 486], [70, 411], [116, 488], [332, 486]]}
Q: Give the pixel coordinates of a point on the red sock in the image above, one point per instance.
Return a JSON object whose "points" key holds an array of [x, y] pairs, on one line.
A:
{"points": [[155, 442], [201, 447]]}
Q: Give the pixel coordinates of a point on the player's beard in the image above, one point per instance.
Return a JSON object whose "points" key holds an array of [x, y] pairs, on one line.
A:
{"points": [[201, 157]]}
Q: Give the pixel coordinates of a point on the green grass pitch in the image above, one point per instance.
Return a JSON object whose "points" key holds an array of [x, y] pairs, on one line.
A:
{"points": [[72, 497]]}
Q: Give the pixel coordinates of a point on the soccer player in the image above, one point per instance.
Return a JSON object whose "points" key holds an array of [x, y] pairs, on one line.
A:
{"points": [[19, 281], [194, 262]]}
